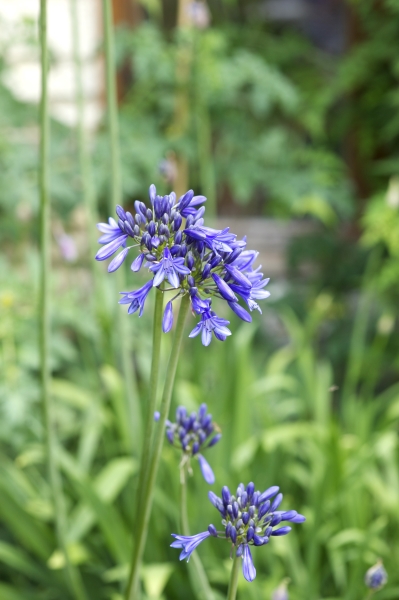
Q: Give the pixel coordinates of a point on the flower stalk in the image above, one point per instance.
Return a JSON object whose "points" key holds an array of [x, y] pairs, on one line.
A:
{"points": [[200, 583], [233, 584], [151, 404], [141, 528], [115, 198], [73, 578]]}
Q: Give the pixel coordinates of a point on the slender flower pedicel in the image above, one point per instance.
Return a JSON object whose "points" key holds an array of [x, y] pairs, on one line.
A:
{"points": [[186, 257], [249, 519], [193, 433]]}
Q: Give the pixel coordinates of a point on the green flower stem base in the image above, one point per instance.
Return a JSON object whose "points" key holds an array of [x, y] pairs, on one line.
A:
{"points": [[232, 591], [197, 574], [141, 528], [151, 405]]}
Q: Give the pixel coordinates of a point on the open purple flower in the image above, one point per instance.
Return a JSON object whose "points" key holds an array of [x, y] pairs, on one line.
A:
{"points": [[249, 518], [170, 268], [211, 323], [136, 299]]}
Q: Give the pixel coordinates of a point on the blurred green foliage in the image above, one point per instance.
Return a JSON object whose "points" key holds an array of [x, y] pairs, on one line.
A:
{"points": [[308, 400]]}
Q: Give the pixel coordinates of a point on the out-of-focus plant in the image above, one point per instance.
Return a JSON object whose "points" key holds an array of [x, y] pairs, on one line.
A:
{"points": [[252, 111]]}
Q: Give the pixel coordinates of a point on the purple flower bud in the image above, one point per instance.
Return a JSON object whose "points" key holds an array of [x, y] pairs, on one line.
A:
{"points": [[157, 415], [214, 440], [240, 311], [151, 228], [190, 261], [233, 535], [137, 263], [281, 531], [376, 577], [271, 491], [250, 534], [181, 412], [185, 200], [250, 489], [263, 509], [128, 228], [245, 518], [178, 237], [276, 519], [215, 261], [298, 519], [177, 223], [276, 502], [235, 254], [206, 470], [288, 515], [212, 530], [224, 289], [152, 193], [121, 213], [226, 496], [117, 261], [238, 276], [167, 320]]}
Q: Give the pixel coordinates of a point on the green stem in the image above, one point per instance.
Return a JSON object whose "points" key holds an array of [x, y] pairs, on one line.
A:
{"points": [[73, 577], [113, 125], [116, 198], [132, 592], [232, 591], [87, 184], [152, 398], [198, 577]]}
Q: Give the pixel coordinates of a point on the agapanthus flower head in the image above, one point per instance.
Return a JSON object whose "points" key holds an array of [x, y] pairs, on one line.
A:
{"points": [[249, 518], [192, 434], [376, 577], [181, 254]]}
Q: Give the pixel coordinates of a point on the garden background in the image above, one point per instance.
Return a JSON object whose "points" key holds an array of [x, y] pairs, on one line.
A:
{"points": [[284, 113]]}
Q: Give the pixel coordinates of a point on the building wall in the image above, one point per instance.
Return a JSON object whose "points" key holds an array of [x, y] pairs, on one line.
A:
{"points": [[23, 73]]}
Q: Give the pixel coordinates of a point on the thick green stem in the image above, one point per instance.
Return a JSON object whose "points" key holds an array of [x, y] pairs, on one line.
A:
{"points": [[141, 529], [199, 580], [73, 578], [152, 398], [116, 198], [232, 591]]}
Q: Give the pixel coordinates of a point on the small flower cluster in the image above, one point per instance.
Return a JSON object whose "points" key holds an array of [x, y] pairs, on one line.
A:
{"points": [[376, 576], [196, 260], [249, 519], [192, 433]]}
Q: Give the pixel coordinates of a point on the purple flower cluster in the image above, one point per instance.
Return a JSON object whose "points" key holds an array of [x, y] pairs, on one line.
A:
{"points": [[376, 577], [188, 257], [249, 519], [193, 433]]}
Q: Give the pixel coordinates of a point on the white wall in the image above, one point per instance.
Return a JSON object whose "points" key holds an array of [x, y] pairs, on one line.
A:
{"points": [[23, 74]]}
